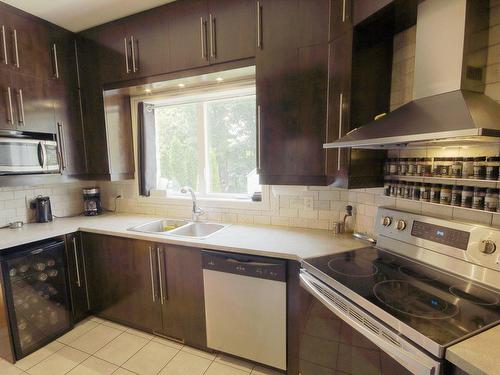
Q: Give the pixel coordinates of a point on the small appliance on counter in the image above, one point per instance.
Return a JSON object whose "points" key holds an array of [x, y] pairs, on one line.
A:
{"points": [[43, 209], [92, 201]]}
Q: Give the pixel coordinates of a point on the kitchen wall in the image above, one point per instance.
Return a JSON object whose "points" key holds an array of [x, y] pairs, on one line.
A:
{"points": [[66, 199]]}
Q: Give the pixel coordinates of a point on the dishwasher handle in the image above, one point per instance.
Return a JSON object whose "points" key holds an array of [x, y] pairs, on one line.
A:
{"points": [[245, 265]]}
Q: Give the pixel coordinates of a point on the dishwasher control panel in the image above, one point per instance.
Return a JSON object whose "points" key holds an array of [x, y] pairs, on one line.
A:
{"points": [[245, 265]]}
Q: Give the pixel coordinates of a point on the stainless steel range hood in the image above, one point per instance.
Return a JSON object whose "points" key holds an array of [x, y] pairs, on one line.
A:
{"points": [[450, 66]]}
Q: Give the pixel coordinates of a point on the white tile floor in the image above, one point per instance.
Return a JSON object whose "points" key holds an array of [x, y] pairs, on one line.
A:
{"points": [[99, 347]]}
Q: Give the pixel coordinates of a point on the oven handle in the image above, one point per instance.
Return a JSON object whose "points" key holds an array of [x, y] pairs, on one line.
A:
{"points": [[408, 360]]}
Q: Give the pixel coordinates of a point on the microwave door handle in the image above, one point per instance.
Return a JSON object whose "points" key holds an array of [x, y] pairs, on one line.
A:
{"points": [[42, 155], [417, 365]]}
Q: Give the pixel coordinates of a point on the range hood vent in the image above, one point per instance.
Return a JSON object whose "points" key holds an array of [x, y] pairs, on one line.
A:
{"points": [[448, 104]]}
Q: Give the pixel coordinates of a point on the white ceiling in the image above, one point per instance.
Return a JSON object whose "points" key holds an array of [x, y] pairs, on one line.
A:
{"points": [[78, 15]]}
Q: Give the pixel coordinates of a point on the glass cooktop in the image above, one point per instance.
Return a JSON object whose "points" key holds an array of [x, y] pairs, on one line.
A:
{"points": [[438, 305]]}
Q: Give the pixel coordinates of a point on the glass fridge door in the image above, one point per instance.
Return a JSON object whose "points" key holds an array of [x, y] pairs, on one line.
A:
{"points": [[37, 295]]}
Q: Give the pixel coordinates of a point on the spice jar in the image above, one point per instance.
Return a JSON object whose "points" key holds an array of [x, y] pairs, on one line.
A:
{"points": [[467, 196], [492, 164], [387, 188], [411, 169], [456, 195], [401, 189], [424, 167], [393, 166], [478, 198], [445, 196], [435, 193], [402, 166], [416, 191], [436, 167], [468, 168], [491, 200], [425, 192], [456, 167], [408, 192], [480, 168], [394, 189], [446, 164]]}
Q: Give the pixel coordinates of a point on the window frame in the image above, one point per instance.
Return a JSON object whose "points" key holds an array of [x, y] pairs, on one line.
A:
{"points": [[182, 96]]}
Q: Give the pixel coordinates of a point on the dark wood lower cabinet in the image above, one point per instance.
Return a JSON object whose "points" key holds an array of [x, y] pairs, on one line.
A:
{"points": [[153, 287], [77, 277]]}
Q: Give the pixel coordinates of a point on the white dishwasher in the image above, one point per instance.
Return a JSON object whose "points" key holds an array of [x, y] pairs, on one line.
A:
{"points": [[245, 306]]}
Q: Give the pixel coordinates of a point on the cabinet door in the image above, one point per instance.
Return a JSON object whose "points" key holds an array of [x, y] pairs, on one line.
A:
{"points": [[149, 31], [232, 29], [33, 104], [77, 277], [188, 34], [292, 65], [121, 286], [339, 107], [340, 17], [182, 288]]}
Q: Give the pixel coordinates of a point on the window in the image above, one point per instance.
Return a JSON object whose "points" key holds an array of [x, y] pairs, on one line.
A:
{"points": [[207, 141]]}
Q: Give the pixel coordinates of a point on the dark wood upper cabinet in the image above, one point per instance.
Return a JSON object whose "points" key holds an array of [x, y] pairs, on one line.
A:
{"points": [[363, 9], [188, 34], [77, 276], [231, 30], [292, 71], [340, 17]]}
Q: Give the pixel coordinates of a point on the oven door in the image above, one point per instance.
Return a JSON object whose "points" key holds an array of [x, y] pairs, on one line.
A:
{"points": [[20, 156], [338, 337]]}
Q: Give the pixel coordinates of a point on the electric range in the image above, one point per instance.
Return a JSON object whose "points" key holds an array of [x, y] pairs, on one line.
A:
{"points": [[427, 284]]}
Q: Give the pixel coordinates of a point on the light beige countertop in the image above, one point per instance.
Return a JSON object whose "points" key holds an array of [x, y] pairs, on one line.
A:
{"points": [[281, 242], [478, 355]]}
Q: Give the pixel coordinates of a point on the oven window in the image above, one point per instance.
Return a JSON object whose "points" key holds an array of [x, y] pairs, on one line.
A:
{"points": [[328, 345], [19, 155]]}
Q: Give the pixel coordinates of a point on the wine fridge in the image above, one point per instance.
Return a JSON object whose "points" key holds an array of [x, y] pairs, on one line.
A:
{"points": [[37, 295]]}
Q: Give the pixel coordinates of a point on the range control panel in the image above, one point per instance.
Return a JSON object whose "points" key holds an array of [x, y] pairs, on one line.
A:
{"points": [[471, 242], [245, 265]]}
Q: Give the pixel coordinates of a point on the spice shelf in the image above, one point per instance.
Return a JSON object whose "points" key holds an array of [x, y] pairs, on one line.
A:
{"points": [[445, 181]]}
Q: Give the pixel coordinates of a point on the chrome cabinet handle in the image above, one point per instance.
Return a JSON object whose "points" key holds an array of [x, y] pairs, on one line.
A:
{"points": [[56, 63], [61, 144], [132, 48], [213, 47], [203, 35], [127, 68], [153, 289], [20, 103], [16, 50], [160, 274], [343, 10], [85, 274], [341, 105], [259, 137], [10, 115], [259, 25], [4, 46], [78, 281]]}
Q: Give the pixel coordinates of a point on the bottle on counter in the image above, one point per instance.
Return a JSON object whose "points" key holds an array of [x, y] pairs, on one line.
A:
{"points": [[480, 168], [478, 198], [492, 166], [445, 196], [491, 200], [456, 195], [467, 196], [435, 193]]}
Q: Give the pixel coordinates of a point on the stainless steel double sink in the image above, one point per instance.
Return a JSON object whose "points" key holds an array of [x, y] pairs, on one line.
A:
{"points": [[180, 228]]}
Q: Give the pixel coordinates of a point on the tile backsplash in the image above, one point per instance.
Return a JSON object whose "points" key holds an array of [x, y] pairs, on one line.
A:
{"points": [[66, 200]]}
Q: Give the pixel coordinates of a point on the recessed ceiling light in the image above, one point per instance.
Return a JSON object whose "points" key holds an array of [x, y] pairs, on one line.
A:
{"points": [[181, 85], [219, 79]]}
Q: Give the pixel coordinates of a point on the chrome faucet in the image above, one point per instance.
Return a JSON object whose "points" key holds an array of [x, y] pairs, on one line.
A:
{"points": [[197, 211]]}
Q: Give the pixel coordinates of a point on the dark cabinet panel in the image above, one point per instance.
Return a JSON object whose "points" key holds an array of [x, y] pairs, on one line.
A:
{"points": [[184, 307], [77, 276], [188, 34], [120, 281], [33, 104], [363, 9], [291, 91], [340, 17], [232, 29]]}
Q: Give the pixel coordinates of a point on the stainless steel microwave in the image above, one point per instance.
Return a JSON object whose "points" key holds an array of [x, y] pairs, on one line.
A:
{"points": [[28, 156]]}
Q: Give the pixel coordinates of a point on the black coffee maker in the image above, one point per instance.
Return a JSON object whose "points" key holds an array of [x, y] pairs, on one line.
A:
{"points": [[43, 209], [92, 201]]}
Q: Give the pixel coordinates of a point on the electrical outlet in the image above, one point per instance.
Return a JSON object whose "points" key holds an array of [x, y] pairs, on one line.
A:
{"points": [[308, 203]]}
